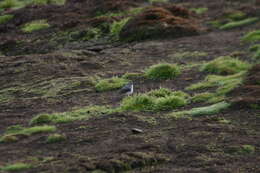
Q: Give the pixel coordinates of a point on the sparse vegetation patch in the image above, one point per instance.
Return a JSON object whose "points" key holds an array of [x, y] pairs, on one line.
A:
{"points": [[5, 18], [200, 10], [252, 36], [35, 26], [207, 110], [110, 84], [240, 23], [55, 138], [225, 65], [16, 167], [163, 71], [79, 114]]}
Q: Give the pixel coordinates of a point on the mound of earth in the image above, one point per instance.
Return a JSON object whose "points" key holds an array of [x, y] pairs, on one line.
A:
{"points": [[248, 95], [160, 22]]}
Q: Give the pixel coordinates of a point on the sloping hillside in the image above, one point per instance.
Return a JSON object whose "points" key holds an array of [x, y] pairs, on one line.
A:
{"points": [[195, 70]]}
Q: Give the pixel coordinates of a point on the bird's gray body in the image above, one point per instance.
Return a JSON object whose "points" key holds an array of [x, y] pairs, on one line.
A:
{"points": [[128, 89]]}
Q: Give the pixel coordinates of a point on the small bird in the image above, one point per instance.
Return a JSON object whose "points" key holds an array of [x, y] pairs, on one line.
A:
{"points": [[128, 89]]}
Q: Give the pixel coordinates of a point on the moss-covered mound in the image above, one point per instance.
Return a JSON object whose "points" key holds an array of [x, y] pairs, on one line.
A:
{"points": [[248, 95], [160, 22]]}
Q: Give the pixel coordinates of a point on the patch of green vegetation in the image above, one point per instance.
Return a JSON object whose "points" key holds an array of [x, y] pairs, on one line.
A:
{"points": [[147, 119], [92, 34], [116, 28], [216, 23], [240, 23], [224, 84], [75, 115], [244, 149], [248, 149], [225, 65], [132, 11], [5, 18], [55, 138], [254, 48], [256, 55], [110, 84], [16, 167], [207, 110], [153, 1], [163, 71], [223, 121], [11, 135], [35, 26], [200, 10], [9, 4], [252, 36], [202, 97], [236, 15], [155, 100], [45, 2], [132, 75], [194, 54]]}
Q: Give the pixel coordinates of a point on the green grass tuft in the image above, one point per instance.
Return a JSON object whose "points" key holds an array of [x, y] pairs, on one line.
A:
{"points": [[12, 133], [45, 2], [110, 84], [155, 100], [240, 23], [225, 65], [37, 129], [5, 18], [163, 71], [207, 110], [202, 97], [16, 167], [224, 84], [252, 36], [79, 114], [35, 26], [248, 149], [9, 4], [55, 138], [200, 10], [116, 28], [236, 15]]}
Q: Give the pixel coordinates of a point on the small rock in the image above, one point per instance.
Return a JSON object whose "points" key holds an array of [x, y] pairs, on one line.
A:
{"points": [[137, 131]]}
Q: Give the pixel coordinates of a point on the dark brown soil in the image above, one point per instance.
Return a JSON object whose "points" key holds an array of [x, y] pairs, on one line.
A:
{"points": [[45, 77]]}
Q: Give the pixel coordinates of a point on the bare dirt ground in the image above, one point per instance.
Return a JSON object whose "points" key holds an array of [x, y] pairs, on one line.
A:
{"points": [[106, 143]]}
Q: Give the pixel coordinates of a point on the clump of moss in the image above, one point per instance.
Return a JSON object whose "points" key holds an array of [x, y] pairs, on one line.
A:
{"points": [[5, 18], [207, 110], [240, 23], [79, 114], [225, 65], [16, 167], [35, 26], [163, 71], [110, 84], [256, 49], [155, 100], [55, 138], [252, 36]]}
